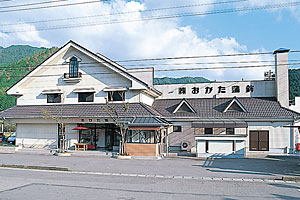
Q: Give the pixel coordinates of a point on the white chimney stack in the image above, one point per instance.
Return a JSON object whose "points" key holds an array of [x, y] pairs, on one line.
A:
{"points": [[282, 76]]}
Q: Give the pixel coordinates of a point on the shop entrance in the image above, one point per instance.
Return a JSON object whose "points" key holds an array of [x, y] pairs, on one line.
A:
{"points": [[100, 136]]}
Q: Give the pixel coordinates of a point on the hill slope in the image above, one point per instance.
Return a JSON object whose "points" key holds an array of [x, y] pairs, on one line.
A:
{"points": [[16, 52], [13, 72], [182, 80]]}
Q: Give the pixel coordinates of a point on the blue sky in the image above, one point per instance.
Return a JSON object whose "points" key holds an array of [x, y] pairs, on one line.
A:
{"points": [[244, 32]]}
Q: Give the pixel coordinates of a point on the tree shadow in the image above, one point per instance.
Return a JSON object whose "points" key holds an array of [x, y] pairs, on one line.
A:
{"points": [[274, 166]]}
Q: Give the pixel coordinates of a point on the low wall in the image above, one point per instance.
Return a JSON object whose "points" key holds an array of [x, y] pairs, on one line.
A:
{"points": [[142, 149]]}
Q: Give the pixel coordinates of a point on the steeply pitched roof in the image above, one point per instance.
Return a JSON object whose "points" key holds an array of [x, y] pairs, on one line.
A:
{"points": [[235, 105], [214, 107], [113, 65], [78, 110], [184, 106]]}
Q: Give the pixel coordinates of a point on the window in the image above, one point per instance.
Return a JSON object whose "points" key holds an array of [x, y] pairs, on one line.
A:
{"points": [[208, 131], [177, 128], [229, 131], [86, 97], [73, 68], [142, 136], [53, 98], [116, 96]]}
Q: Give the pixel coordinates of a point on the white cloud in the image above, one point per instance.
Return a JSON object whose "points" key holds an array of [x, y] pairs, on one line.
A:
{"points": [[146, 39]]}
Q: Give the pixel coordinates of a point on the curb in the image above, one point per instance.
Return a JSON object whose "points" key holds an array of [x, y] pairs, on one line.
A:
{"points": [[195, 178]]}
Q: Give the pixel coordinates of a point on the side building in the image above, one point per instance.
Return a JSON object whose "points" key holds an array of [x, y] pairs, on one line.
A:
{"points": [[223, 119]]}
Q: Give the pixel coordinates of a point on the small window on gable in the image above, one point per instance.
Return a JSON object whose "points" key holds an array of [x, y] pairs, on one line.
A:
{"points": [[235, 107], [184, 106], [73, 68], [53, 98], [116, 96]]}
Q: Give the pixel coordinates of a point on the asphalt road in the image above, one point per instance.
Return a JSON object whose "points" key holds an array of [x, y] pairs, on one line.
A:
{"points": [[31, 185], [234, 168]]}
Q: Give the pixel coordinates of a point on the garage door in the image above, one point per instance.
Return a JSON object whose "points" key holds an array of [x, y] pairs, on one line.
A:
{"points": [[259, 140]]}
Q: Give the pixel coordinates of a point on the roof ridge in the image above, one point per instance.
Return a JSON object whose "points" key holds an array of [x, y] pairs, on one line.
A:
{"points": [[147, 107]]}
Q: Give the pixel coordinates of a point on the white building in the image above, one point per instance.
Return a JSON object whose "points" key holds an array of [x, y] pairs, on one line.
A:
{"points": [[209, 119]]}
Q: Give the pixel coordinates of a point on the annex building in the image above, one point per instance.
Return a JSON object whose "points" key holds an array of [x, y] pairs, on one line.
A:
{"points": [[227, 119]]}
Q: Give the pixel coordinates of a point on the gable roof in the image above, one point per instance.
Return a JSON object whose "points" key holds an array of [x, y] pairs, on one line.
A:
{"points": [[213, 108], [99, 57], [235, 101], [182, 103]]}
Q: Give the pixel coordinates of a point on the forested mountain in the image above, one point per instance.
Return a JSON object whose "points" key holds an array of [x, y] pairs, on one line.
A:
{"points": [[294, 78], [17, 52], [169, 80], [13, 72]]}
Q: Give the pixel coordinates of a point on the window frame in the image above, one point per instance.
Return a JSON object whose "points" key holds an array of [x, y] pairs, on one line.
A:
{"points": [[110, 95], [74, 67], [87, 96], [179, 130], [210, 133], [56, 98], [227, 131]]}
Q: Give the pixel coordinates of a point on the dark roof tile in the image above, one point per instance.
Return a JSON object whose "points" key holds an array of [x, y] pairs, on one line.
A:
{"points": [[214, 107]]}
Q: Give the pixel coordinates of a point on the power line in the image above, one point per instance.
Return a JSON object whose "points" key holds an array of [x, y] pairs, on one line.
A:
{"points": [[128, 12], [175, 58], [31, 4], [171, 70], [52, 6], [159, 17], [82, 65]]}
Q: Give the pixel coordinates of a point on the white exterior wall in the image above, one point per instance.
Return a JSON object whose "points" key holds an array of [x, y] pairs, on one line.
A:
{"points": [[144, 74], [261, 89], [281, 139], [200, 146], [43, 135], [282, 78], [94, 75], [36, 135], [296, 107], [147, 99], [219, 146], [72, 136]]}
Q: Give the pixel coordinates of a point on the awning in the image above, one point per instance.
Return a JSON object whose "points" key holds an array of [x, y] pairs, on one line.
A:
{"points": [[52, 91], [80, 128], [112, 89], [79, 90], [220, 124]]}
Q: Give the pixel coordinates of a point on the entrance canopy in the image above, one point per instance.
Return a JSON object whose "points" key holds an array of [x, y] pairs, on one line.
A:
{"points": [[220, 124]]}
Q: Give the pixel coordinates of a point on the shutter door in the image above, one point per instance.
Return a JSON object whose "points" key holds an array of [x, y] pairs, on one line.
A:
{"points": [[263, 141], [254, 141]]}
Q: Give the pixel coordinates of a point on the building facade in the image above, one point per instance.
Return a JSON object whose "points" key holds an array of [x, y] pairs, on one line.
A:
{"points": [[84, 89]]}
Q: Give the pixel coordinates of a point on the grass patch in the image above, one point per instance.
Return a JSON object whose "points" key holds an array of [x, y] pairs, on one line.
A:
{"points": [[36, 167], [7, 145]]}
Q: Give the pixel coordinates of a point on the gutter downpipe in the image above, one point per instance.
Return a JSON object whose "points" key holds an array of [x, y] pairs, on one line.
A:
{"points": [[167, 141]]}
